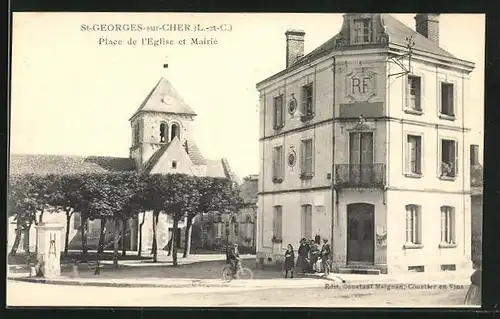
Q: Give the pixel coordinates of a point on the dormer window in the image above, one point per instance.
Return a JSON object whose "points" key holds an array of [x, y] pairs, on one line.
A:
{"points": [[361, 31]]}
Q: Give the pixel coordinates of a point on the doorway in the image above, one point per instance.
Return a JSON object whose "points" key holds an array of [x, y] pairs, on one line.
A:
{"points": [[360, 233]]}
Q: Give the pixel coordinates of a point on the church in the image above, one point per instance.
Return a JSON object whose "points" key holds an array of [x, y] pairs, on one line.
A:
{"points": [[162, 142]]}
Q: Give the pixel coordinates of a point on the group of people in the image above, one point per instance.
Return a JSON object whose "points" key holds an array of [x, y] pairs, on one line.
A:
{"points": [[311, 258]]}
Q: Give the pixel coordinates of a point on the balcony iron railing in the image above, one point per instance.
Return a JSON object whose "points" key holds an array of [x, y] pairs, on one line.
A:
{"points": [[360, 175], [476, 176]]}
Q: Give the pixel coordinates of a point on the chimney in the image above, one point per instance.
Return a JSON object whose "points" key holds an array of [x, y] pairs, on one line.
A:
{"points": [[427, 24], [294, 46]]}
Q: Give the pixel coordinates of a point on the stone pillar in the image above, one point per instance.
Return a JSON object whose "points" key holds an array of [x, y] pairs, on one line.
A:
{"points": [[49, 249]]}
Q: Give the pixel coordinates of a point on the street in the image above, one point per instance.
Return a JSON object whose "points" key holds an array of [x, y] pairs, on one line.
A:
{"points": [[32, 294]]}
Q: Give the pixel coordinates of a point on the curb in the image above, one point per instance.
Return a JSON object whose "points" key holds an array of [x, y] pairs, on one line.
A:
{"points": [[194, 283]]}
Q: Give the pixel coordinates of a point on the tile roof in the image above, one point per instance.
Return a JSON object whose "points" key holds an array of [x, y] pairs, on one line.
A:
{"points": [[195, 154], [395, 29], [398, 31], [62, 164], [249, 189], [155, 102]]}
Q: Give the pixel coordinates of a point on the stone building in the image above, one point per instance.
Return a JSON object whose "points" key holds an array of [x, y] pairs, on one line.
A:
{"points": [[364, 141], [162, 142]]}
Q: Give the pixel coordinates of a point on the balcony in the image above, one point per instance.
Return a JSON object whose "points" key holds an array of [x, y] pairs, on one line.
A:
{"points": [[360, 175]]}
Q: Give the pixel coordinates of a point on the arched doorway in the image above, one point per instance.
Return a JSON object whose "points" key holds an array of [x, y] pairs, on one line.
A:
{"points": [[360, 233]]}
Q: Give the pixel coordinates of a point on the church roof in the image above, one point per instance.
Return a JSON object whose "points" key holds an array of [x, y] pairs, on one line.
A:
{"points": [[22, 164], [395, 29], [164, 98]]}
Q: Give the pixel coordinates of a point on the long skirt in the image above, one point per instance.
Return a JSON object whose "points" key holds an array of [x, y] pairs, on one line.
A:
{"points": [[473, 296], [302, 263]]}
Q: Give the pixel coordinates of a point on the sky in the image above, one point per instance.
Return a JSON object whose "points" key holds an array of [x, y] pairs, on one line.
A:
{"points": [[71, 95]]}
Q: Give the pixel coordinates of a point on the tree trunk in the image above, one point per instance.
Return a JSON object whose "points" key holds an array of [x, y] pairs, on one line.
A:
{"points": [[174, 241], [102, 235], [187, 237], [26, 238], [40, 220], [116, 243], [124, 232], [66, 238], [17, 240], [84, 229], [155, 243], [139, 249]]}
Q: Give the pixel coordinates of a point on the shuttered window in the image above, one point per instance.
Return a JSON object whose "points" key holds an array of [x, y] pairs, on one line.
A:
{"points": [[414, 154], [413, 221], [307, 156], [278, 222], [306, 222], [447, 224]]}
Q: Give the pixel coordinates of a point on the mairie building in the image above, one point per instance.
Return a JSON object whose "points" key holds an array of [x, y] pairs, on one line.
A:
{"points": [[368, 141]]}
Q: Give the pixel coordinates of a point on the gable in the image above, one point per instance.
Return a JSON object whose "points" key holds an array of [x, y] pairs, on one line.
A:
{"points": [[163, 98], [174, 151]]}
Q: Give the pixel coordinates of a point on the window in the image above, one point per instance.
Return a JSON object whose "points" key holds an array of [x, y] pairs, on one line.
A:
{"points": [[278, 222], [413, 221], [447, 225], [474, 155], [163, 132], [175, 132], [174, 164], [77, 221], [137, 133], [447, 103], [306, 222], [307, 102], [414, 93], [449, 158], [362, 31], [278, 160], [307, 158], [279, 118], [414, 154]]}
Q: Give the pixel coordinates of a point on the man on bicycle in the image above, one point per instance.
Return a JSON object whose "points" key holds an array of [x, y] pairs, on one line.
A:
{"points": [[234, 258]]}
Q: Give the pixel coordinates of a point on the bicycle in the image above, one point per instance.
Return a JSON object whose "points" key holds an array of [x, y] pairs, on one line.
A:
{"points": [[241, 273]]}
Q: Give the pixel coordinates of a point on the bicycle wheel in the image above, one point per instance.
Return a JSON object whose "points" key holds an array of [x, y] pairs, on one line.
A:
{"points": [[227, 274], [245, 273]]}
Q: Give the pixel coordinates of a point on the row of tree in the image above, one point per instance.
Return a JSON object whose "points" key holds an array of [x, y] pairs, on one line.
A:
{"points": [[117, 197]]}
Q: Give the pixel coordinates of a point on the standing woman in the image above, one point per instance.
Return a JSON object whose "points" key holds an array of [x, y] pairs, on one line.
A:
{"points": [[289, 260], [303, 252]]}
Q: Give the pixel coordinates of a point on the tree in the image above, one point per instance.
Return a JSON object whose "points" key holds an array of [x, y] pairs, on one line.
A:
{"points": [[216, 195], [66, 197], [110, 195], [28, 195], [182, 199], [154, 198]]}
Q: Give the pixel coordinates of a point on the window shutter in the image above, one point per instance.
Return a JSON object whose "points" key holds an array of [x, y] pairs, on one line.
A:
{"points": [[354, 145], [443, 224], [450, 99], [302, 222], [309, 221], [281, 161], [303, 92], [418, 155], [408, 224], [283, 112], [275, 216], [303, 157], [280, 222], [367, 148], [408, 92], [408, 154], [455, 153]]}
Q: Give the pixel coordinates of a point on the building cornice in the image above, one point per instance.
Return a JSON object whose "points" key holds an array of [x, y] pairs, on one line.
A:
{"points": [[183, 115]]}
